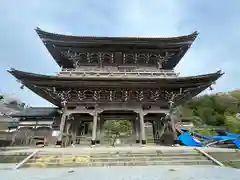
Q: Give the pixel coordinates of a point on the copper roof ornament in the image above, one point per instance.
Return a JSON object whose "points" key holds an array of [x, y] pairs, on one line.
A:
{"points": [[22, 87]]}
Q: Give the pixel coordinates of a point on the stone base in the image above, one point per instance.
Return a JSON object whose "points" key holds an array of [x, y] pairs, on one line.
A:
{"points": [[59, 143], [93, 142], [137, 141], [177, 141], [144, 142], [167, 139], [97, 141]]}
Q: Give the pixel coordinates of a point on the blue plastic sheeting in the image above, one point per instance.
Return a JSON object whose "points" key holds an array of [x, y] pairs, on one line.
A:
{"points": [[188, 140], [207, 137], [183, 129], [232, 134], [237, 143], [219, 138]]}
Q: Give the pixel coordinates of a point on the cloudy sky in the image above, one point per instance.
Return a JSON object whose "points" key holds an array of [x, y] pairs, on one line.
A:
{"points": [[217, 46]]}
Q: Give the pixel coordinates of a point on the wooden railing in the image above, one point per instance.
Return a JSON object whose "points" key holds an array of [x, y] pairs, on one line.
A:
{"points": [[72, 72]]}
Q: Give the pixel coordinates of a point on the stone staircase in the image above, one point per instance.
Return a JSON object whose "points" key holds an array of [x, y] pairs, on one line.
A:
{"points": [[133, 158]]}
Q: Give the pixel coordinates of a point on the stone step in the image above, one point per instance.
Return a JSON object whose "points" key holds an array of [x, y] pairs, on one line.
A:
{"points": [[110, 154], [147, 158], [118, 156], [137, 158], [114, 159], [132, 163]]}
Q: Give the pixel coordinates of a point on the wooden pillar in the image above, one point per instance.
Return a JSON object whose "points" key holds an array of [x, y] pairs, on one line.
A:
{"points": [[157, 130], [137, 130], [133, 122], [86, 127], [68, 135], [102, 129], [75, 128], [142, 127], [153, 131], [62, 127], [94, 128], [173, 120], [98, 130]]}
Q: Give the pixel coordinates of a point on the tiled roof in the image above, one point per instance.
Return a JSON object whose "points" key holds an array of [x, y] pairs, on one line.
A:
{"points": [[9, 105], [37, 112], [48, 35]]}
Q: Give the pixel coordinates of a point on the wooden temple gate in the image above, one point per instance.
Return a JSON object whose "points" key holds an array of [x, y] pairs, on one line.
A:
{"points": [[80, 128], [110, 74]]}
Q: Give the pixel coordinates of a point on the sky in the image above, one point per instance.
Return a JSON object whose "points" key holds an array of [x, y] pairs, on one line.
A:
{"points": [[216, 47]]}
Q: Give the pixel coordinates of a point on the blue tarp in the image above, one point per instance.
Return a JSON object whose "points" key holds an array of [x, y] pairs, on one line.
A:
{"points": [[207, 137], [220, 138], [237, 143], [188, 140], [232, 134]]}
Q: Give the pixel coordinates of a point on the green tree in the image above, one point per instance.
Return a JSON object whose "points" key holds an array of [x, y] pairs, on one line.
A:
{"points": [[232, 124]]}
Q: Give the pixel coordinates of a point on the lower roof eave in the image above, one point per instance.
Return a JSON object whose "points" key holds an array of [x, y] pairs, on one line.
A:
{"points": [[33, 77], [32, 81]]}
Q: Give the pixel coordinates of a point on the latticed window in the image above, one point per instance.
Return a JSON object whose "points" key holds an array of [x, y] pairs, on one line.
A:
{"points": [[93, 58], [107, 58], [88, 94], [142, 58]]}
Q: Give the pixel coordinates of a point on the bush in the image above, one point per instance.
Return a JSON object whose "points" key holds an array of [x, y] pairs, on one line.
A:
{"points": [[232, 124]]}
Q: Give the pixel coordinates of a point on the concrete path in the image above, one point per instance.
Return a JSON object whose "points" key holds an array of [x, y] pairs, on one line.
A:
{"points": [[125, 173]]}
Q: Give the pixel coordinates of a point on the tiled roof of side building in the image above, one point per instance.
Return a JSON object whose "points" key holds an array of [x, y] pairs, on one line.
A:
{"points": [[9, 105], [38, 112]]}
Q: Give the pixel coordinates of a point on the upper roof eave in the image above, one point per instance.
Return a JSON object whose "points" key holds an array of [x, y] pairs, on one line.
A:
{"points": [[44, 35]]}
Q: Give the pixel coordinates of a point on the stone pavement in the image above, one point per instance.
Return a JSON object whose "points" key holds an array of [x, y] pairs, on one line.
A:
{"points": [[125, 173]]}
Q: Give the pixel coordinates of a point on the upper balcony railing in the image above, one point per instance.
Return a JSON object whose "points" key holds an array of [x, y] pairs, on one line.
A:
{"points": [[110, 73]]}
